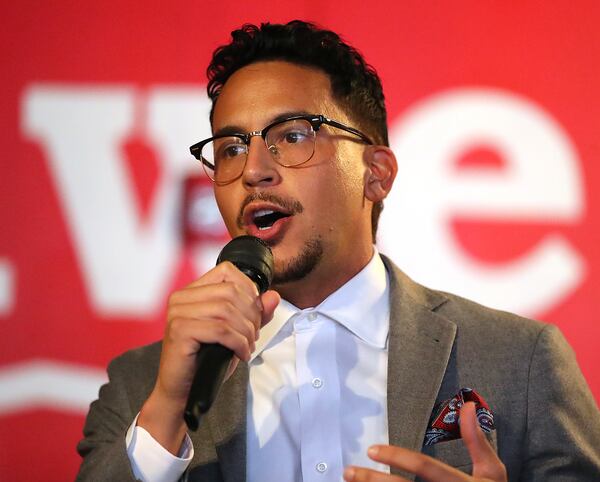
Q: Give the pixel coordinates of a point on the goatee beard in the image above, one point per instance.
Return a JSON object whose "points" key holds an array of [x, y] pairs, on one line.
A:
{"points": [[300, 266]]}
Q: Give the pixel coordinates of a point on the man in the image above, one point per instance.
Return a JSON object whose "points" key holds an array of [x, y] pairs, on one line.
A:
{"points": [[351, 352]]}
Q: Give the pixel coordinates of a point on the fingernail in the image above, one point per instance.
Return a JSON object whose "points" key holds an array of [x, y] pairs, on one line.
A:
{"points": [[349, 473], [259, 304], [373, 451]]}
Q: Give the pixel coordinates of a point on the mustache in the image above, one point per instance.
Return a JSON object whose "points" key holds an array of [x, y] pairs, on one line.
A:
{"points": [[292, 206]]}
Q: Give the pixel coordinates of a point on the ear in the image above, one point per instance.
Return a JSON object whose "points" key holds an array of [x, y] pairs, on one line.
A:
{"points": [[381, 172]]}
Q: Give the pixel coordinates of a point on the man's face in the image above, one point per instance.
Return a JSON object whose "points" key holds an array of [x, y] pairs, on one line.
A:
{"points": [[322, 222]]}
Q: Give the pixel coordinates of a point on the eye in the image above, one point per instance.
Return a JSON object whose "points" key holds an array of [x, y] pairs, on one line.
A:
{"points": [[229, 149], [289, 133], [294, 136], [234, 150]]}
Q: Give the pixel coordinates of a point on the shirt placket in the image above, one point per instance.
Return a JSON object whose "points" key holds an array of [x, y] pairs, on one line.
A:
{"points": [[319, 398]]}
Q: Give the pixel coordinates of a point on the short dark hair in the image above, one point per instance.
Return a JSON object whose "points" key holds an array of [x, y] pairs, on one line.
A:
{"points": [[355, 84]]}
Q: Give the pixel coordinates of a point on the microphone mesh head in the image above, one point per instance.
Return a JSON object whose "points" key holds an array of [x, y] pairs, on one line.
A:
{"points": [[253, 257]]}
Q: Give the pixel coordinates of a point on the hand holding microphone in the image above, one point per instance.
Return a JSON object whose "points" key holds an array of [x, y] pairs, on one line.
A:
{"points": [[253, 258], [223, 307]]}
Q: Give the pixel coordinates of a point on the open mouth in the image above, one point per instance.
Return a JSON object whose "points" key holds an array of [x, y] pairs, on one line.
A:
{"points": [[264, 219], [267, 216]]}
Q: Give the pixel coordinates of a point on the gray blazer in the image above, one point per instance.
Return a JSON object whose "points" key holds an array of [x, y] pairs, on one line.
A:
{"points": [[547, 422]]}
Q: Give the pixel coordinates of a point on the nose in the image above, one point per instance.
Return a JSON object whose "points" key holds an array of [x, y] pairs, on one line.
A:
{"points": [[260, 169]]}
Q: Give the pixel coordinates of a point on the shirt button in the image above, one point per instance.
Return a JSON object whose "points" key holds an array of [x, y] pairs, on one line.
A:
{"points": [[321, 467], [312, 316], [317, 383]]}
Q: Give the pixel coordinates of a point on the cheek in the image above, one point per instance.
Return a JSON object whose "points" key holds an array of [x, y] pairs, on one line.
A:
{"points": [[349, 176], [336, 197], [228, 211]]}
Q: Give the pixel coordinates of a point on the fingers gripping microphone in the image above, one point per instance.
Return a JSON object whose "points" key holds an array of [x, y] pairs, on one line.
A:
{"points": [[253, 258]]}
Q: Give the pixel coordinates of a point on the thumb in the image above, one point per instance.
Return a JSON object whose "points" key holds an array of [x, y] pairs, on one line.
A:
{"points": [[486, 463], [269, 299]]}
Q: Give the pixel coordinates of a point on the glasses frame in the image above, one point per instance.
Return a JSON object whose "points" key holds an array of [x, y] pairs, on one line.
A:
{"points": [[315, 120]]}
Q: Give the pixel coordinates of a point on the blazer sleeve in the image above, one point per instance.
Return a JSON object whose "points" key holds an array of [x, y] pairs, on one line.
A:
{"points": [[103, 447], [563, 421]]}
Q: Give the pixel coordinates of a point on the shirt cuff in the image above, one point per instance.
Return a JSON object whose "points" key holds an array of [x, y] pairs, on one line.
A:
{"points": [[150, 461]]}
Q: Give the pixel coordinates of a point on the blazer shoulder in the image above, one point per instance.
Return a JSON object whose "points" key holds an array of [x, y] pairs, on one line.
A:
{"points": [[135, 362], [469, 313], [141, 354], [469, 316]]}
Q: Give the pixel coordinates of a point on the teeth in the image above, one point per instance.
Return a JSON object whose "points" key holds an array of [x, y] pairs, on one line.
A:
{"points": [[264, 219], [263, 212]]}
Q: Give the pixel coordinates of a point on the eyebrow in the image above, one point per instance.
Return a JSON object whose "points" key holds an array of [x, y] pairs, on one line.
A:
{"points": [[236, 129]]}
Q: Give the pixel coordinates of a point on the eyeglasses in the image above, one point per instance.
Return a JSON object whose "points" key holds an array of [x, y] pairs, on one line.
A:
{"points": [[290, 141]]}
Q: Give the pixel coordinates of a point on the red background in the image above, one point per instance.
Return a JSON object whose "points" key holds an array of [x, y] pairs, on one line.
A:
{"points": [[545, 51]]}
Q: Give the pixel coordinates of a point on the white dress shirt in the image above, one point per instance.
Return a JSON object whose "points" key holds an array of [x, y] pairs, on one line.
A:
{"points": [[317, 395]]}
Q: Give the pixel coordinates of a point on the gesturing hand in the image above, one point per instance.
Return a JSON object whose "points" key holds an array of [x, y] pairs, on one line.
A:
{"points": [[487, 467]]}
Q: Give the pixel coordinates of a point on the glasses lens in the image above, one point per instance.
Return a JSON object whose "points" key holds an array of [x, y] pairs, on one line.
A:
{"points": [[291, 142], [224, 158]]}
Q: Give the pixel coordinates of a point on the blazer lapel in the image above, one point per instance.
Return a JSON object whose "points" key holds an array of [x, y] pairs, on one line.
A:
{"points": [[420, 343]]}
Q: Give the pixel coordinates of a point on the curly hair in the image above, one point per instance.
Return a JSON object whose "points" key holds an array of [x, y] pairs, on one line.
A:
{"points": [[355, 84]]}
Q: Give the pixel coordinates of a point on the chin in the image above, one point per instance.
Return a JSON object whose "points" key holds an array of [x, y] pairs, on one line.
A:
{"points": [[289, 268]]}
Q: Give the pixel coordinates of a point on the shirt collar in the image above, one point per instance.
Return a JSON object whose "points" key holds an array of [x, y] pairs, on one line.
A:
{"points": [[361, 305]]}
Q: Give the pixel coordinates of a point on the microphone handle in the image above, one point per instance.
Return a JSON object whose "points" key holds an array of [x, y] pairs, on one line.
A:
{"points": [[214, 359]]}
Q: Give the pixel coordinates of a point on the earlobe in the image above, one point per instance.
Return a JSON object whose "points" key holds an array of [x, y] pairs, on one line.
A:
{"points": [[381, 172]]}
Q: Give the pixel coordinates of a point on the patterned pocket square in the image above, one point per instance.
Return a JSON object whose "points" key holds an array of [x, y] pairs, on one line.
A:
{"points": [[443, 424]]}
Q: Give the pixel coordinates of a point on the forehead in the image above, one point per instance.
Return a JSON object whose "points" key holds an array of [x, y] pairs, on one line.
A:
{"points": [[259, 92]]}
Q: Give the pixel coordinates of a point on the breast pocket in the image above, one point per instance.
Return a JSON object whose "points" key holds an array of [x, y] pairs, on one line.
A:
{"points": [[455, 453]]}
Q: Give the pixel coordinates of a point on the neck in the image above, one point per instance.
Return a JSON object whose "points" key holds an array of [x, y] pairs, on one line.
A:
{"points": [[325, 279]]}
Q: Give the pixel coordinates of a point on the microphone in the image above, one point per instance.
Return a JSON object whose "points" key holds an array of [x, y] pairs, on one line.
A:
{"points": [[254, 258]]}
